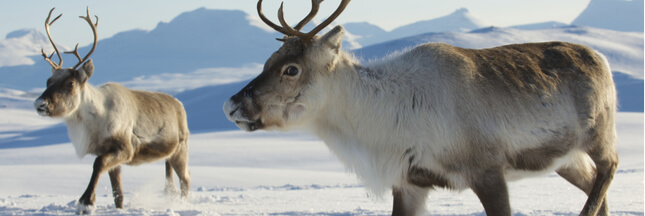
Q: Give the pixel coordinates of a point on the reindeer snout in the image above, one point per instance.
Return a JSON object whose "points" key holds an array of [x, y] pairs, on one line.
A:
{"points": [[230, 109], [41, 106]]}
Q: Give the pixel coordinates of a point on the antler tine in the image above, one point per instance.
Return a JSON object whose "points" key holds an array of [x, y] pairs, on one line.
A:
{"points": [[48, 59], [328, 21], [268, 22], [287, 27], [93, 26], [288, 31], [315, 5], [75, 52]]}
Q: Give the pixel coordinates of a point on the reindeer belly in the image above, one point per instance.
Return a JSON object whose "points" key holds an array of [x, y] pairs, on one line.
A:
{"points": [[532, 166], [153, 151]]}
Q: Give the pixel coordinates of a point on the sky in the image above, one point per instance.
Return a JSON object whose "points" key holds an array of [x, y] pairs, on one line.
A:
{"points": [[122, 15]]}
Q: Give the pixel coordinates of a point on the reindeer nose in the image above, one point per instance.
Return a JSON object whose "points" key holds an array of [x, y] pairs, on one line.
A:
{"points": [[41, 106]]}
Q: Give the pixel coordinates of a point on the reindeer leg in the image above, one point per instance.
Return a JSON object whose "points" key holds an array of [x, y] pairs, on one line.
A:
{"points": [[179, 161], [170, 185], [581, 173], [115, 180], [409, 200], [492, 192], [88, 197], [606, 161], [120, 153]]}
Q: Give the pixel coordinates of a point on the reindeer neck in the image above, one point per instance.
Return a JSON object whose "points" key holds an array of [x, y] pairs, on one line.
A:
{"points": [[91, 104]]}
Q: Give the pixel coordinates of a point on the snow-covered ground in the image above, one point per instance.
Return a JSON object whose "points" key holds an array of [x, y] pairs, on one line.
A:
{"points": [[266, 173]]}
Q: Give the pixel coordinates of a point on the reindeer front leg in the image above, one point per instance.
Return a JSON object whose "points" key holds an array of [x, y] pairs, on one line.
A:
{"points": [[115, 180], [120, 152], [409, 200]]}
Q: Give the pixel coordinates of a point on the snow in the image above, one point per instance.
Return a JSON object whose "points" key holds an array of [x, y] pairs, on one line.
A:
{"points": [[240, 173]]}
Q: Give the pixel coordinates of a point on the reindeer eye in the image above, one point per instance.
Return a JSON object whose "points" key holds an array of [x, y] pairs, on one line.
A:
{"points": [[70, 85], [291, 71]]}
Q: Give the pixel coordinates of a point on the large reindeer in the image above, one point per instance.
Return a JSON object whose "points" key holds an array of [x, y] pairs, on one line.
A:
{"points": [[442, 116], [118, 125]]}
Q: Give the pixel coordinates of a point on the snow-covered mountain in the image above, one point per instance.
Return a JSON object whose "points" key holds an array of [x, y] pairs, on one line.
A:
{"points": [[19, 44], [619, 15], [366, 33], [461, 20], [194, 40], [542, 25]]}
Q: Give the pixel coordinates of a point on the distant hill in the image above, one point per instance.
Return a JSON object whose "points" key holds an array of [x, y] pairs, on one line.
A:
{"points": [[193, 40], [461, 20], [619, 15], [542, 25], [19, 44], [366, 33]]}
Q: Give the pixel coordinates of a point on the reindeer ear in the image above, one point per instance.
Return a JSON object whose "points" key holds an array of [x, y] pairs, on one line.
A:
{"points": [[86, 70], [334, 38]]}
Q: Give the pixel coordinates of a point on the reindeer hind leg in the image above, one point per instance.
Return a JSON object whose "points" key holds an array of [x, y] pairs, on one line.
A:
{"points": [[606, 160], [117, 191], [170, 184], [179, 162], [581, 173]]}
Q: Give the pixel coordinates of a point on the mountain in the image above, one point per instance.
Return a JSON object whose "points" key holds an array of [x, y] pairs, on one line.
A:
{"points": [[19, 44], [542, 25], [193, 40], [461, 20], [365, 32], [619, 15]]}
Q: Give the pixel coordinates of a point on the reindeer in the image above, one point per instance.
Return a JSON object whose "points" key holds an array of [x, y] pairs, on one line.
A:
{"points": [[118, 125], [442, 116]]}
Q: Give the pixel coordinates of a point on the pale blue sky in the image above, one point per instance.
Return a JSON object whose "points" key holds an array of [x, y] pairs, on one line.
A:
{"points": [[121, 15]]}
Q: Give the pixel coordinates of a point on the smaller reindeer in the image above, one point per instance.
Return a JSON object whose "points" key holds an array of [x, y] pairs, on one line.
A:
{"points": [[118, 125]]}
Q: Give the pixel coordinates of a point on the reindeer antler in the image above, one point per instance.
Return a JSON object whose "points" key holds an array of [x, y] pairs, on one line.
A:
{"points": [[75, 52], [288, 31], [48, 58], [93, 26]]}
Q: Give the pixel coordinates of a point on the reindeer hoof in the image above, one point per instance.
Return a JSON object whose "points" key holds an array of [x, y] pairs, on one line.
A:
{"points": [[85, 209], [170, 192]]}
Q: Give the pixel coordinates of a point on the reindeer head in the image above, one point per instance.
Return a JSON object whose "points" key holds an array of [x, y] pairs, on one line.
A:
{"points": [[288, 92], [64, 87]]}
